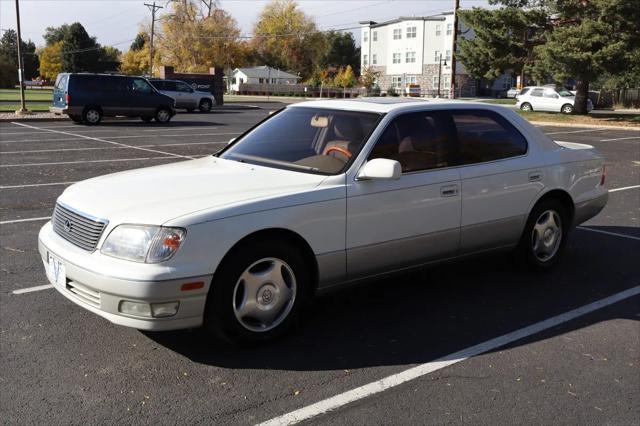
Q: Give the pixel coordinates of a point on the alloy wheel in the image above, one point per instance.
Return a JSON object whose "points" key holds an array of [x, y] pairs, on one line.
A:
{"points": [[546, 235]]}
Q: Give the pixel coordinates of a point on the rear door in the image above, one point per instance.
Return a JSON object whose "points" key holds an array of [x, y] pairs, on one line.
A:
{"points": [[537, 101], [188, 98], [60, 91], [498, 179]]}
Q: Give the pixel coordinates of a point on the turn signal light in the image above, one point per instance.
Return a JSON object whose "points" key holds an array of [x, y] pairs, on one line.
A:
{"points": [[192, 286]]}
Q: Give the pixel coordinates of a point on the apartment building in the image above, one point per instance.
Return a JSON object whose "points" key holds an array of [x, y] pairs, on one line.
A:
{"points": [[412, 50]]}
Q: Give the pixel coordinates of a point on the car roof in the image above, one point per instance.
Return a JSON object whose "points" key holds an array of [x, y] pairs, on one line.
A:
{"points": [[386, 105]]}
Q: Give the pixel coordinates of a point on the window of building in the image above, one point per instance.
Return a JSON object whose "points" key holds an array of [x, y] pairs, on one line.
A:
{"points": [[485, 136], [438, 29], [448, 55], [447, 81], [375, 36], [449, 29], [397, 33], [374, 59], [365, 59], [411, 32], [418, 141], [411, 79], [410, 57], [396, 58], [365, 36], [396, 82], [261, 80], [434, 81], [436, 56]]}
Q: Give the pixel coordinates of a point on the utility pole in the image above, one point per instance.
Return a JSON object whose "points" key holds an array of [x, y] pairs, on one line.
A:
{"points": [[453, 49], [23, 108], [152, 8]]}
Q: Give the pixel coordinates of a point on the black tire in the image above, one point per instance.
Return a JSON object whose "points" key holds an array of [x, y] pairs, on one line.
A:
{"points": [[205, 105], [92, 115], [228, 293], [76, 118], [567, 109], [162, 115], [146, 119], [526, 106], [526, 251]]}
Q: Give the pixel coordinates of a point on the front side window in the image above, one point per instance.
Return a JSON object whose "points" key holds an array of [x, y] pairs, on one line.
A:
{"points": [[564, 93], [485, 136], [141, 86], [418, 141], [550, 93], [311, 140]]}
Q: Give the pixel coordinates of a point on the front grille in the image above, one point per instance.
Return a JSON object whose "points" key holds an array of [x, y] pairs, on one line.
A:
{"points": [[85, 294], [77, 228]]}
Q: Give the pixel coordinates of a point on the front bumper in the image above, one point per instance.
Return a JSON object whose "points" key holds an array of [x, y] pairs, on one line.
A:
{"points": [[102, 294]]}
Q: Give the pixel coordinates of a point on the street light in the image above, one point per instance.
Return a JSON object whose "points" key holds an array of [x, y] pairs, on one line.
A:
{"points": [[440, 71]]}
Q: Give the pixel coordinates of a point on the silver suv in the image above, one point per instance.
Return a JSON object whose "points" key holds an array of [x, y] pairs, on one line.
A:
{"points": [[184, 95], [548, 98]]}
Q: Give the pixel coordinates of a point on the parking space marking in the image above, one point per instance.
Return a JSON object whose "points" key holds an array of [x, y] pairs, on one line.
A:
{"points": [[115, 160], [107, 141], [338, 401], [615, 234], [576, 131], [181, 128], [30, 219], [624, 188], [620, 139], [79, 138], [33, 185], [35, 151], [32, 289]]}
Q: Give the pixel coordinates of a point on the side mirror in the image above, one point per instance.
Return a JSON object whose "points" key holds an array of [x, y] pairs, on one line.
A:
{"points": [[231, 141], [380, 169]]}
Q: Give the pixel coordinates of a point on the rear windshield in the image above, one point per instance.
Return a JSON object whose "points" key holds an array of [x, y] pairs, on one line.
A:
{"points": [[312, 140], [61, 81]]}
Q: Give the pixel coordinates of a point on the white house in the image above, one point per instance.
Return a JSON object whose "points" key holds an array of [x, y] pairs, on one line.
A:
{"points": [[260, 75], [415, 50]]}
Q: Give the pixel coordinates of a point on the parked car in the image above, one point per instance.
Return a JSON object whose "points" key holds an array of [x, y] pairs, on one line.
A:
{"points": [[513, 92], [86, 98], [545, 98], [320, 193], [184, 95]]}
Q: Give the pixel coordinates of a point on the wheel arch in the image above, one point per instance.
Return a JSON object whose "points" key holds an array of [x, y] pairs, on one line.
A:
{"points": [[96, 106], [277, 234], [561, 195]]}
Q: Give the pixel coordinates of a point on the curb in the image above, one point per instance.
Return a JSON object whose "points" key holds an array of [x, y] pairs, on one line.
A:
{"points": [[588, 126]]}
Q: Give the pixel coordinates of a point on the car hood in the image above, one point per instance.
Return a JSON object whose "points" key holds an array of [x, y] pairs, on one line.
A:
{"points": [[155, 195]]}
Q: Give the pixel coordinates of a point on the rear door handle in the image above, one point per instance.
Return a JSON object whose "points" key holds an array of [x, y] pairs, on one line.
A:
{"points": [[535, 176], [449, 190]]}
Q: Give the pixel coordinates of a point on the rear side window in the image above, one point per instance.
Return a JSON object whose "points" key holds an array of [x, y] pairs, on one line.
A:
{"points": [[524, 91], [537, 93], [86, 83], [485, 136], [183, 87]]}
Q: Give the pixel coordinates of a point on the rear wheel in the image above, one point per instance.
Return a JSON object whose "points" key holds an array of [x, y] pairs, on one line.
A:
{"points": [[205, 105], [92, 115], [545, 234], [163, 115], [526, 107], [258, 292], [567, 108]]}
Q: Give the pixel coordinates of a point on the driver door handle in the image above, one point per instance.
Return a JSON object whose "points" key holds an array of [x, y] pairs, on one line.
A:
{"points": [[449, 190]]}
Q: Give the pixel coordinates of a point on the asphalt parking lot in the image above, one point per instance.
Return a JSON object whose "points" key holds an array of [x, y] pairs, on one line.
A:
{"points": [[62, 364]]}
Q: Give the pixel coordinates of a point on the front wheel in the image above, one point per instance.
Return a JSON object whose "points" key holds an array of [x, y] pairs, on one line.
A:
{"points": [[526, 107], [545, 234], [258, 293], [205, 105], [163, 115], [567, 108]]}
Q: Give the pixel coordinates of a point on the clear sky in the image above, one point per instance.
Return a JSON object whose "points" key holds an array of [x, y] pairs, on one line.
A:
{"points": [[115, 22]]}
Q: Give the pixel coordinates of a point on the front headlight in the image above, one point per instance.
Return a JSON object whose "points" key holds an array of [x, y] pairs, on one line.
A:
{"points": [[143, 243]]}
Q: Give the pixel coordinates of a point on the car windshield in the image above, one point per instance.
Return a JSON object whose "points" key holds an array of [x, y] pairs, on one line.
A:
{"points": [[564, 93], [311, 140]]}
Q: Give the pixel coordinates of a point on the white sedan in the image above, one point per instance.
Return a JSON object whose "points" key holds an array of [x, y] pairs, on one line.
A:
{"points": [[319, 194]]}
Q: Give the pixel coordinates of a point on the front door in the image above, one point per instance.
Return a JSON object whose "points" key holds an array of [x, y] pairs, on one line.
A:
{"points": [[393, 224], [143, 99]]}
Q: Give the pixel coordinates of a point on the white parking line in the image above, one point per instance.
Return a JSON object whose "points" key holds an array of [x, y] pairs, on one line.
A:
{"points": [[105, 141], [333, 403], [33, 185], [34, 151], [31, 219], [620, 139], [615, 234], [181, 128], [576, 131], [32, 289], [624, 188], [115, 160], [79, 138]]}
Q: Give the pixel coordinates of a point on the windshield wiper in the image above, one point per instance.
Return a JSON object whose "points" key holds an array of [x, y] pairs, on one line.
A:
{"points": [[274, 162]]}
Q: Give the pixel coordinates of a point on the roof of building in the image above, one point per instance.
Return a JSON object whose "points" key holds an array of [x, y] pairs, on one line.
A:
{"points": [[266, 72], [439, 17]]}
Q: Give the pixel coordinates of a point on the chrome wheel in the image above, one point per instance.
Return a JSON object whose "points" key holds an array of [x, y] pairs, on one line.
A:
{"points": [[546, 235], [567, 109], [264, 294], [163, 116], [526, 107], [92, 116]]}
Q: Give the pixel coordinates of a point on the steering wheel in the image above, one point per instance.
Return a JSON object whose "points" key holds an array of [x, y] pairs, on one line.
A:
{"points": [[339, 149]]}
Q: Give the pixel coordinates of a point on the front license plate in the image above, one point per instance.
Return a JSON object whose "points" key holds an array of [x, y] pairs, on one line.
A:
{"points": [[57, 271]]}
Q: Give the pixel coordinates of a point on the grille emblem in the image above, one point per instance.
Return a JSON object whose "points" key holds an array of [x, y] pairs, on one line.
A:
{"points": [[67, 225]]}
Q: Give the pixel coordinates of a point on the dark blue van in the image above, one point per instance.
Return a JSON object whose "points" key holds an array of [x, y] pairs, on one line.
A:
{"points": [[86, 98]]}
